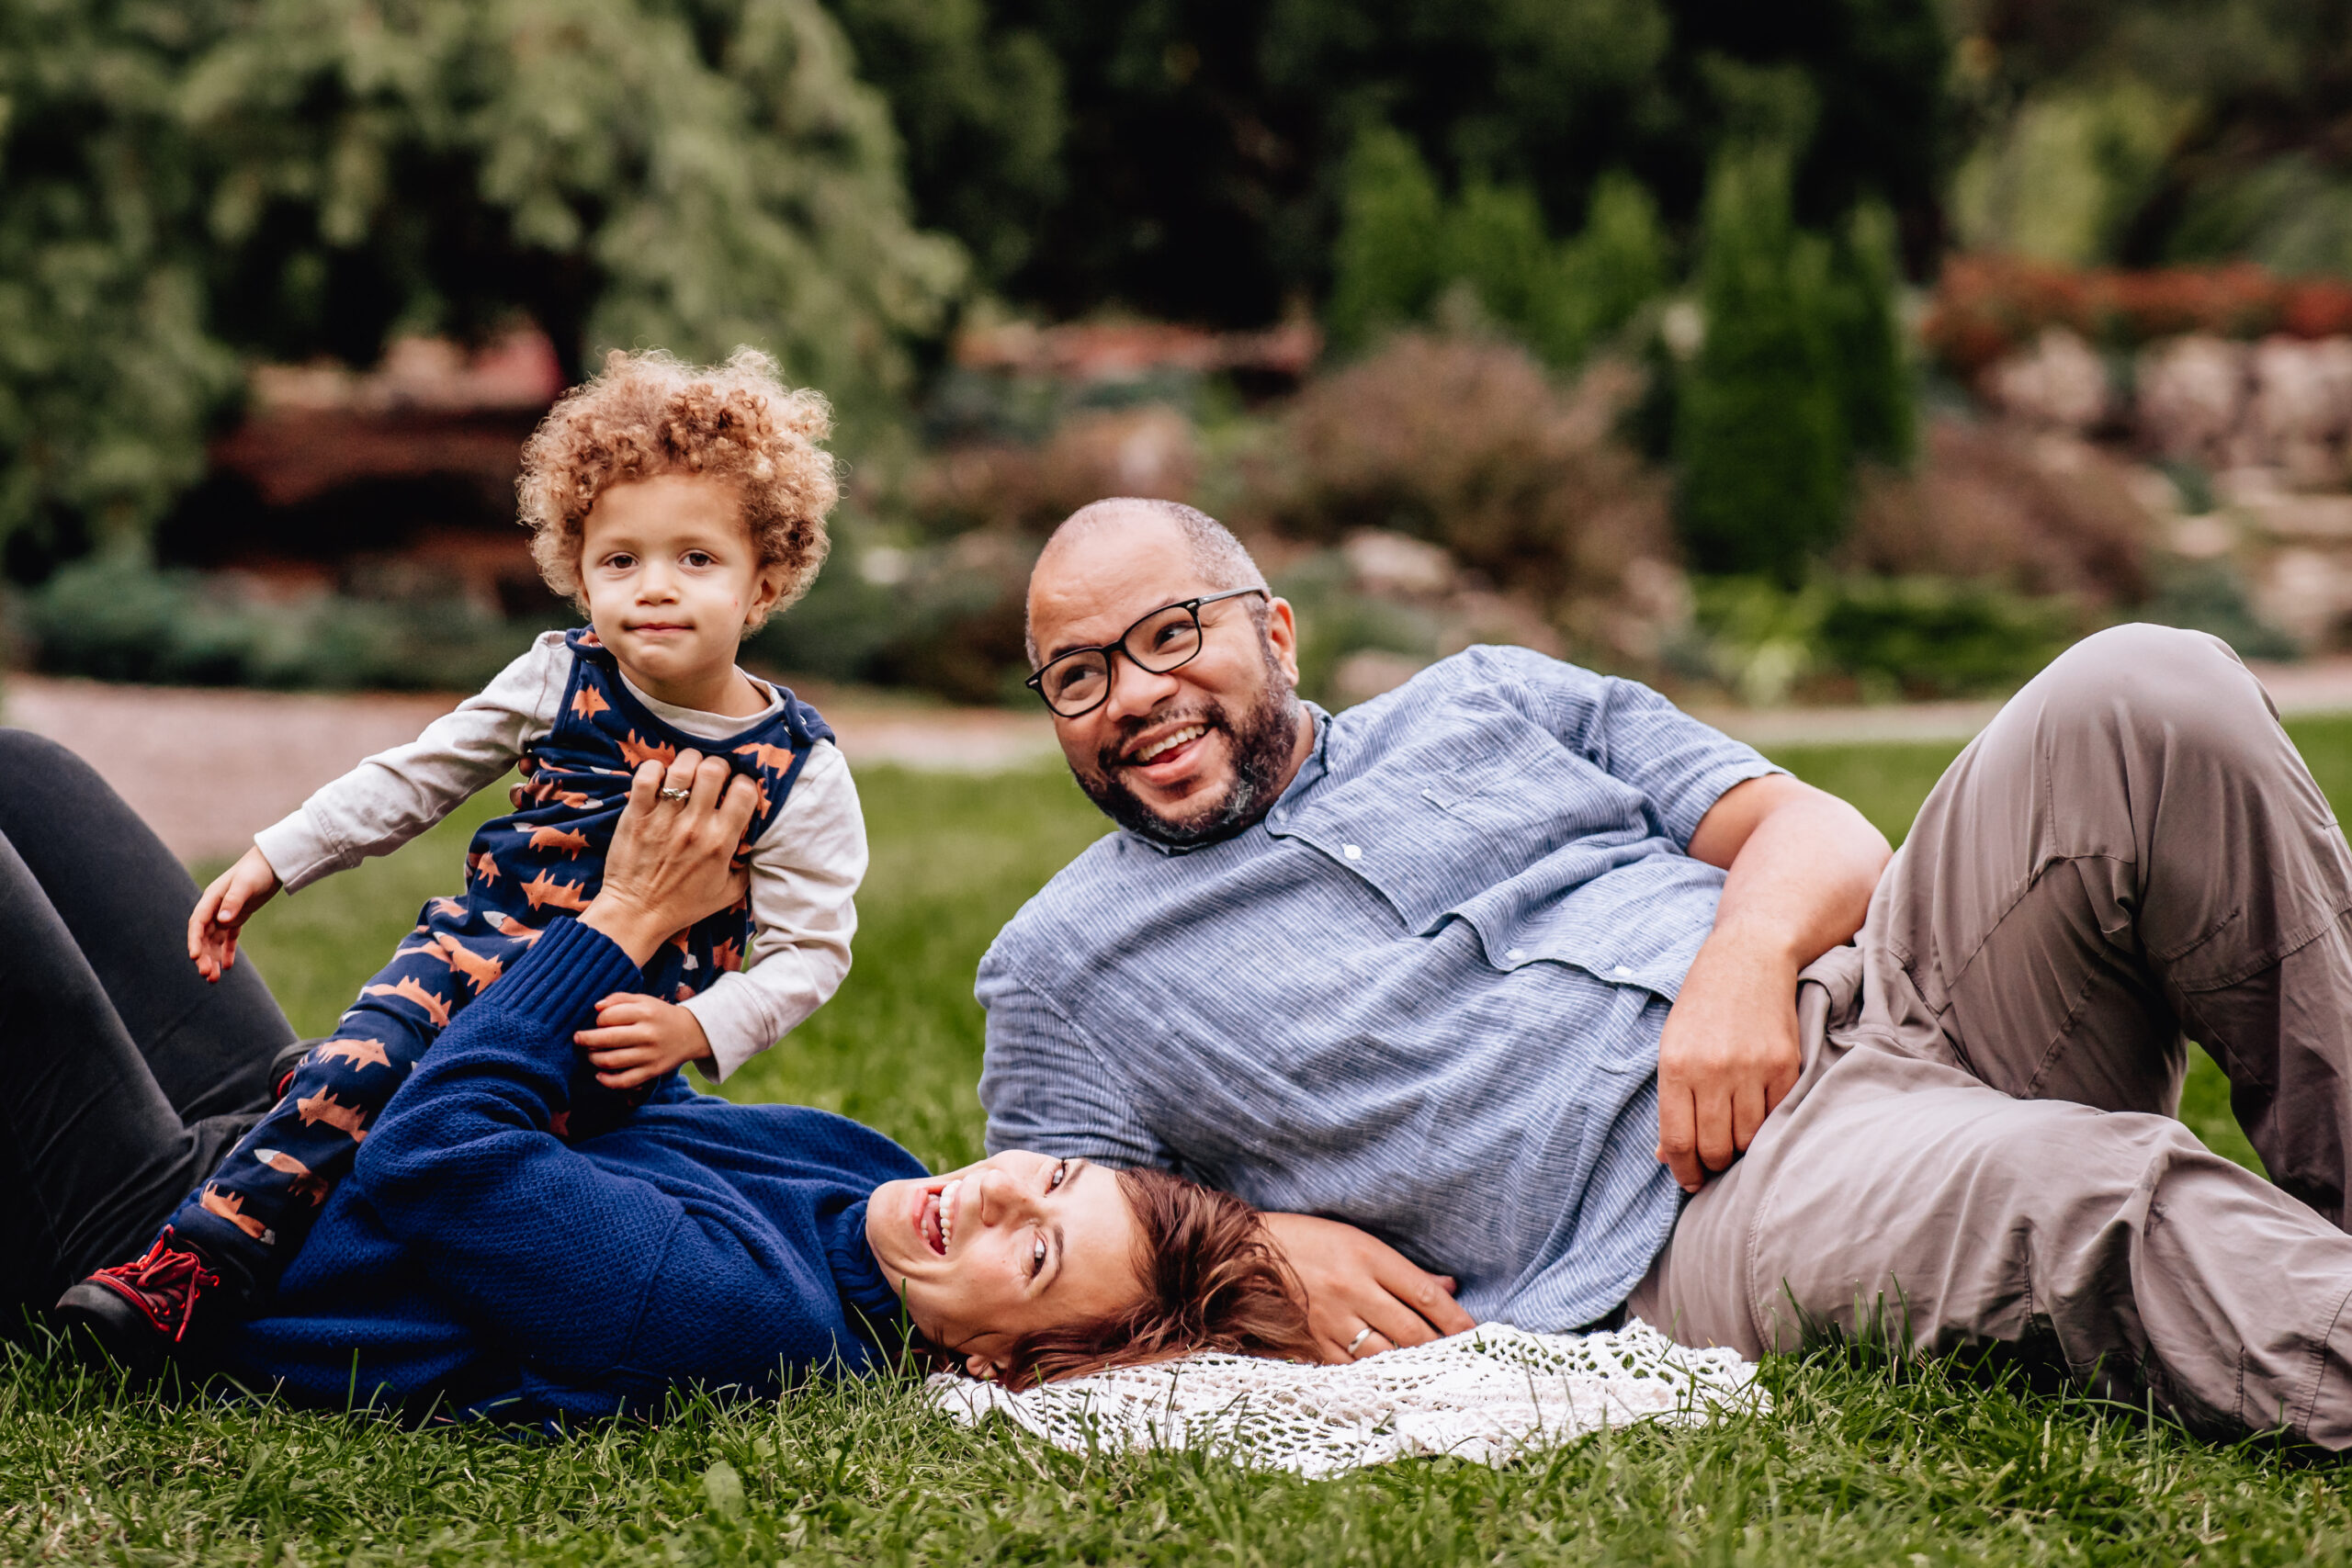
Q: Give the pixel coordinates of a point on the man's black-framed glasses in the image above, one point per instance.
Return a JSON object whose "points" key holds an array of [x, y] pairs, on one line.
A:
{"points": [[1078, 682]]}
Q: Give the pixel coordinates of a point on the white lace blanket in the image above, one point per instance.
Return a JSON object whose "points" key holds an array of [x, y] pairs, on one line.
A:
{"points": [[1488, 1395]]}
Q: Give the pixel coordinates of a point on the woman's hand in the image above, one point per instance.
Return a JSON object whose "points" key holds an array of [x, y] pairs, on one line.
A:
{"points": [[223, 910], [671, 862]]}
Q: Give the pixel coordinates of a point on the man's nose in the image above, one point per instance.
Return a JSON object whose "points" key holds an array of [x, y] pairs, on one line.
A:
{"points": [[1135, 690]]}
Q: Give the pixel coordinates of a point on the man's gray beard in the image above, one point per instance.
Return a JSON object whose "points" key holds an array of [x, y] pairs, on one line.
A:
{"points": [[1262, 745]]}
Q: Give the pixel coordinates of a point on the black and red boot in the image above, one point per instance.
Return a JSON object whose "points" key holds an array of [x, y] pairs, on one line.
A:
{"points": [[138, 1312]]}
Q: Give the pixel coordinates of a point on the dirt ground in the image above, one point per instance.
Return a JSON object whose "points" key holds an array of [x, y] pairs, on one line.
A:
{"points": [[210, 768]]}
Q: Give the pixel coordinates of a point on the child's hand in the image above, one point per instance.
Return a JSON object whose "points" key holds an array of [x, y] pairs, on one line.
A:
{"points": [[638, 1038], [223, 910]]}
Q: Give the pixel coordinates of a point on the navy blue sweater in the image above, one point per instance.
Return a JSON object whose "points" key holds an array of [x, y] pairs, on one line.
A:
{"points": [[473, 1259]]}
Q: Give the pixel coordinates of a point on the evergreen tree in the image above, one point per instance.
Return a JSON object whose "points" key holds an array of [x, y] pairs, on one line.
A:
{"points": [[1389, 261], [1402, 246], [1761, 455], [1492, 240], [1873, 375], [1611, 269]]}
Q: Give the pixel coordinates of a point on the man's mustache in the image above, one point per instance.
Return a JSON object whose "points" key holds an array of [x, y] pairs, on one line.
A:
{"points": [[1112, 758]]}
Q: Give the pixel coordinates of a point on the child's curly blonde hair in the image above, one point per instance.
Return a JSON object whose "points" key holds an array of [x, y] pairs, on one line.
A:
{"points": [[647, 415]]}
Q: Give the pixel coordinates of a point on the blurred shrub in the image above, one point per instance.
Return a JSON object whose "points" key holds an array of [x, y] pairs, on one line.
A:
{"points": [[1987, 305], [1152, 450], [1468, 444], [119, 621], [1401, 250], [2210, 596], [1337, 619], [1886, 637], [1757, 436], [2035, 515], [945, 618], [1934, 638]]}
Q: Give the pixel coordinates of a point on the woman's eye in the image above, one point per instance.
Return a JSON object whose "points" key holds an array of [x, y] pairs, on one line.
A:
{"points": [[1061, 1174], [1037, 1257]]}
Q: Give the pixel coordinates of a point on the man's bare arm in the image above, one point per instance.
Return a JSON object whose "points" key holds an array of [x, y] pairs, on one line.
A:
{"points": [[1802, 866]]}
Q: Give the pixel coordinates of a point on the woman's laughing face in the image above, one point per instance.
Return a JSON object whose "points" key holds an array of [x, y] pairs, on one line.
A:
{"points": [[1013, 1245]]}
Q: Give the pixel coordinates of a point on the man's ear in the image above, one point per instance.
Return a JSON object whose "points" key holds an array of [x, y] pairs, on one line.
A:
{"points": [[1282, 636]]}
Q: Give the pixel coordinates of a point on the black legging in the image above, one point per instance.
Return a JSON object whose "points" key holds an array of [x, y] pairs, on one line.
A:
{"points": [[124, 1076]]}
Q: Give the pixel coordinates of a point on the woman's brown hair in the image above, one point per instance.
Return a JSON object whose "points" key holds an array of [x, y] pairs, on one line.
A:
{"points": [[1213, 1280]]}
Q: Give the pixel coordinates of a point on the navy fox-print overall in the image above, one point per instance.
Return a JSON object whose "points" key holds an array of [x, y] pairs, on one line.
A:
{"points": [[545, 859]]}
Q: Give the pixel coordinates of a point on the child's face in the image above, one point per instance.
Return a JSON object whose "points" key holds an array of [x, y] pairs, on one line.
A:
{"points": [[670, 575]]}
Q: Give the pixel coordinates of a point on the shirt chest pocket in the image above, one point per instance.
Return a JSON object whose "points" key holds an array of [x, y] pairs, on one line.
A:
{"points": [[1431, 825]]}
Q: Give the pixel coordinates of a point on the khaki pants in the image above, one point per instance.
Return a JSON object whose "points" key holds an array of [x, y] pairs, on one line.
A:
{"points": [[1982, 1147]]}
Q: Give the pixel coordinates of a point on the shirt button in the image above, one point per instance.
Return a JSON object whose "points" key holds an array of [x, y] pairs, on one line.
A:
{"points": [[1352, 851], [1515, 954]]}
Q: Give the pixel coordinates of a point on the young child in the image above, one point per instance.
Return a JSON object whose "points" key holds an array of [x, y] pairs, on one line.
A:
{"points": [[680, 507]]}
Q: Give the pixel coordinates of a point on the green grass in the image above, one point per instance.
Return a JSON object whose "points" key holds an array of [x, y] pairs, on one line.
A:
{"points": [[1856, 1464]]}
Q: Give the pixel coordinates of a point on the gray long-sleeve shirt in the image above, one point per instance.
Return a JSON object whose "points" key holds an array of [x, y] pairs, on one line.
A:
{"points": [[1423, 995]]}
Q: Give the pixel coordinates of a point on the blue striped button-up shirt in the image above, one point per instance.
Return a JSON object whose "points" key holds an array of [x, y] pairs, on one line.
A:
{"points": [[1423, 995]]}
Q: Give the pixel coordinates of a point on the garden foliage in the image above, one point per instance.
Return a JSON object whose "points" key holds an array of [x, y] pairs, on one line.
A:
{"points": [[2143, 132], [1759, 441], [1987, 305], [1203, 158], [120, 619], [1402, 249], [183, 183]]}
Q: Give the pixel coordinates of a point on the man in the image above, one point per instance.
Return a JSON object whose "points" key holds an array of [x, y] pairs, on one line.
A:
{"points": [[1501, 967]]}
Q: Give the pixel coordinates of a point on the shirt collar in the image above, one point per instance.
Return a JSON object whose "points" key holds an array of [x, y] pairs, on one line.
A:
{"points": [[1310, 773]]}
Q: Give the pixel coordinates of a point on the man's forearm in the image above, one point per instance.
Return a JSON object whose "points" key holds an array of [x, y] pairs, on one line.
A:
{"points": [[1801, 882]]}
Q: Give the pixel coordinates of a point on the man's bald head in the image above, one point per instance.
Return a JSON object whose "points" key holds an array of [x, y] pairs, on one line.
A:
{"points": [[1219, 557]]}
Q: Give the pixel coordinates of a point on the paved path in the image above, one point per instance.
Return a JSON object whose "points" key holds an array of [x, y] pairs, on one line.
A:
{"points": [[210, 768]]}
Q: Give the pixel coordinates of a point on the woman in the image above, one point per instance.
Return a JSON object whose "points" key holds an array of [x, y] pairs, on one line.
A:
{"points": [[475, 1262]]}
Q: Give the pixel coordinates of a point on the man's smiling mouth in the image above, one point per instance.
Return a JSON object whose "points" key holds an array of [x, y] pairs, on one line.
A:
{"points": [[1168, 742]]}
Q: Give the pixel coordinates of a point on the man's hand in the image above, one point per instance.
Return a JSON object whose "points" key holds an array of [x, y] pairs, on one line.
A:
{"points": [[638, 1038], [1800, 865], [1354, 1282], [223, 910], [1729, 1054]]}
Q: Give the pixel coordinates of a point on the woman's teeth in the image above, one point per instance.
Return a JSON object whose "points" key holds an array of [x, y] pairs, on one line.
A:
{"points": [[947, 1196], [1167, 743]]}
